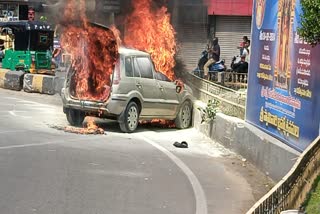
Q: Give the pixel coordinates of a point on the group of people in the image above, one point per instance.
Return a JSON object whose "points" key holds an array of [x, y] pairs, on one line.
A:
{"points": [[240, 66]]}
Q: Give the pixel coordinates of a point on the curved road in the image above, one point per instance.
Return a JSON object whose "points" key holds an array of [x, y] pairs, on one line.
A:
{"points": [[44, 170]]}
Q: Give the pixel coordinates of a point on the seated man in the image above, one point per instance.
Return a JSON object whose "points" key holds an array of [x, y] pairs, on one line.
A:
{"points": [[241, 67]]}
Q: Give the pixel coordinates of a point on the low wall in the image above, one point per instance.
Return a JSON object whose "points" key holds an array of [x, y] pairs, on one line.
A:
{"points": [[12, 80], [232, 102], [267, 153]]}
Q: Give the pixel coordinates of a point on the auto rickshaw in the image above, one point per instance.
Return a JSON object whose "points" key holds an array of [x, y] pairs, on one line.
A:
{"points": [[28, 46]]}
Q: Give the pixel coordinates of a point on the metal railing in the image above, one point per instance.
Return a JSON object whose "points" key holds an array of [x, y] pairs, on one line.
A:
{"points": [[293, 189], [229, 79], [232, 101]]}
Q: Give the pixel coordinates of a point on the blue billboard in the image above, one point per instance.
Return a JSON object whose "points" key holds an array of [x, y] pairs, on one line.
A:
{"points": [[284, 84]]}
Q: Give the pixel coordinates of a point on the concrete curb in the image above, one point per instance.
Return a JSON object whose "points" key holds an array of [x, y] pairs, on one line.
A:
{"points": [[39, 83], [268, 154], [12, 80]]}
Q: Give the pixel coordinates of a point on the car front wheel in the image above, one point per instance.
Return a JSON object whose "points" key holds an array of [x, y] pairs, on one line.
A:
{"points": [[184, 117], [130, 118], [75, 117]]}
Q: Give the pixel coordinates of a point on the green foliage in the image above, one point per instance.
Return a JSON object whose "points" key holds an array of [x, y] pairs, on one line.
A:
{"points": [[210, 112], [310, 21], [43, 18], [312, 204]]}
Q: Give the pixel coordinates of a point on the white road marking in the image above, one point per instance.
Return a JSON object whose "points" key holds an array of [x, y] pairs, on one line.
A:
{"points": [[201, 201], [12, 131], [13, 113], [27, 145], [11, 98], [32, 103], [47, 143]]}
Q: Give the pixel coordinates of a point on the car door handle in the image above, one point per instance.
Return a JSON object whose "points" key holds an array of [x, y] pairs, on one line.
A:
{"points": [[139, 85], [161, 88]]}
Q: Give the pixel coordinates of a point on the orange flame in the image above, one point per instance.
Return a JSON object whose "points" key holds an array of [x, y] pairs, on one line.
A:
{"points": [[94, 54], [91, 128], [159, 123], [150, 30]]}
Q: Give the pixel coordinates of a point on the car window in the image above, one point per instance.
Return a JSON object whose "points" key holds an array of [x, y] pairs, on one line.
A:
{"points": [[160, 76], [136, 69], [128, 64], [143, 65]]}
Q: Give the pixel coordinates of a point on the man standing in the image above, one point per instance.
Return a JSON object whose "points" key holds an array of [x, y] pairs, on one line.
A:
{"points": [[213, 55], [243, 44], [31, 14]]}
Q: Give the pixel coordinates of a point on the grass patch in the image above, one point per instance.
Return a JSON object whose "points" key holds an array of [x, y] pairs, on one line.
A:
{"points": [[313, 202]]}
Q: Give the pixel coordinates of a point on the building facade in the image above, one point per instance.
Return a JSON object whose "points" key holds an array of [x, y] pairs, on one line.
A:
{"points": [[197, 20], [229, 20]]}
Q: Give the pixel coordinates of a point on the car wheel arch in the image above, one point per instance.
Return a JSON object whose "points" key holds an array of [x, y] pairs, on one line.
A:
{"points": [[137, 101]]}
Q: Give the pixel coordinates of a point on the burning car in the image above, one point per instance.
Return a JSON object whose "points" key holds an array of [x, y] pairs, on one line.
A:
{"points": [[136, 92]]}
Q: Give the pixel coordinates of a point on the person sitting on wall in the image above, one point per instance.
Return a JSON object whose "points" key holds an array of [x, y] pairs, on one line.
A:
{"points": [[213, 55], [240, 68]]}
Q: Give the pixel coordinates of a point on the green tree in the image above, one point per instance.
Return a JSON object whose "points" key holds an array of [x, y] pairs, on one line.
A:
{"points": [[310, 21]]}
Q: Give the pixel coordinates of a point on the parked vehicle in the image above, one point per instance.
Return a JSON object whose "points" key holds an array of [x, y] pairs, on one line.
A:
{"points": [[213, 69], [138, 92]]}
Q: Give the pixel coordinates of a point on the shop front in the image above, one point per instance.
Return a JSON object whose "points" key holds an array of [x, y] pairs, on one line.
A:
{"points": [[17, 10]]}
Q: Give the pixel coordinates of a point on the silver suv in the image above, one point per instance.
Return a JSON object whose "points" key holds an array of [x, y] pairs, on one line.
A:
{"points": [[138, 92]]}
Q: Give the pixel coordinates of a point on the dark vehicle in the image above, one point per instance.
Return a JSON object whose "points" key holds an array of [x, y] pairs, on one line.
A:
{"points": [[213, 69], [27, 45]]}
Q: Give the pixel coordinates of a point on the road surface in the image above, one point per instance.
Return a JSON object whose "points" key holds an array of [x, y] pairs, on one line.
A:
{"points": [[46, 170]]}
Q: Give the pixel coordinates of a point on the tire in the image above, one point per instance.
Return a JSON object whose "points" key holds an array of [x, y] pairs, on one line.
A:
{"points": [[130, 118], [184, 117], [75, 117]]}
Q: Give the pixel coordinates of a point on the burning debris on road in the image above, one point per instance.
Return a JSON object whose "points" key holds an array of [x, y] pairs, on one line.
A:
{"points": [[90, 129]]}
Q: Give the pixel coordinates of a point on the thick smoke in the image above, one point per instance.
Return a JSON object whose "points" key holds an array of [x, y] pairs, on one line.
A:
{"points": [[56, 9]]}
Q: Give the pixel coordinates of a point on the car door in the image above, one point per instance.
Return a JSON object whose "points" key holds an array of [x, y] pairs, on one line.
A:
{"points": [[146, 85], [170, 98], [129, 77]]}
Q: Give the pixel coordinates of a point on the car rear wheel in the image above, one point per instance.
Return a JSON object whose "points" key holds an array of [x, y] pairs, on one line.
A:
{"points": [[130, 118], [75, 117], [184, 117]]}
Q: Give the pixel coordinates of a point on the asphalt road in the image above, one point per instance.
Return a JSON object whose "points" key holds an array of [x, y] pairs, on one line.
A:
{"points": [[45, 170]]}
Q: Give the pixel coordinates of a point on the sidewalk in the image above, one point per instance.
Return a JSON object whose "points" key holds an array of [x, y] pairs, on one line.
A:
{"points": [[230, 183]]}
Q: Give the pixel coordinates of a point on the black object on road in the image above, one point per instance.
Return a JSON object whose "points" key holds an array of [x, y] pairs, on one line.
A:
{"points": [[183, 144]]}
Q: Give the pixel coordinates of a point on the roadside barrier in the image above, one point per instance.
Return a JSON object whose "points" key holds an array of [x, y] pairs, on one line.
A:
{"points": [[39, 83], [293, 189], [232, 102], [12, 80]]}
